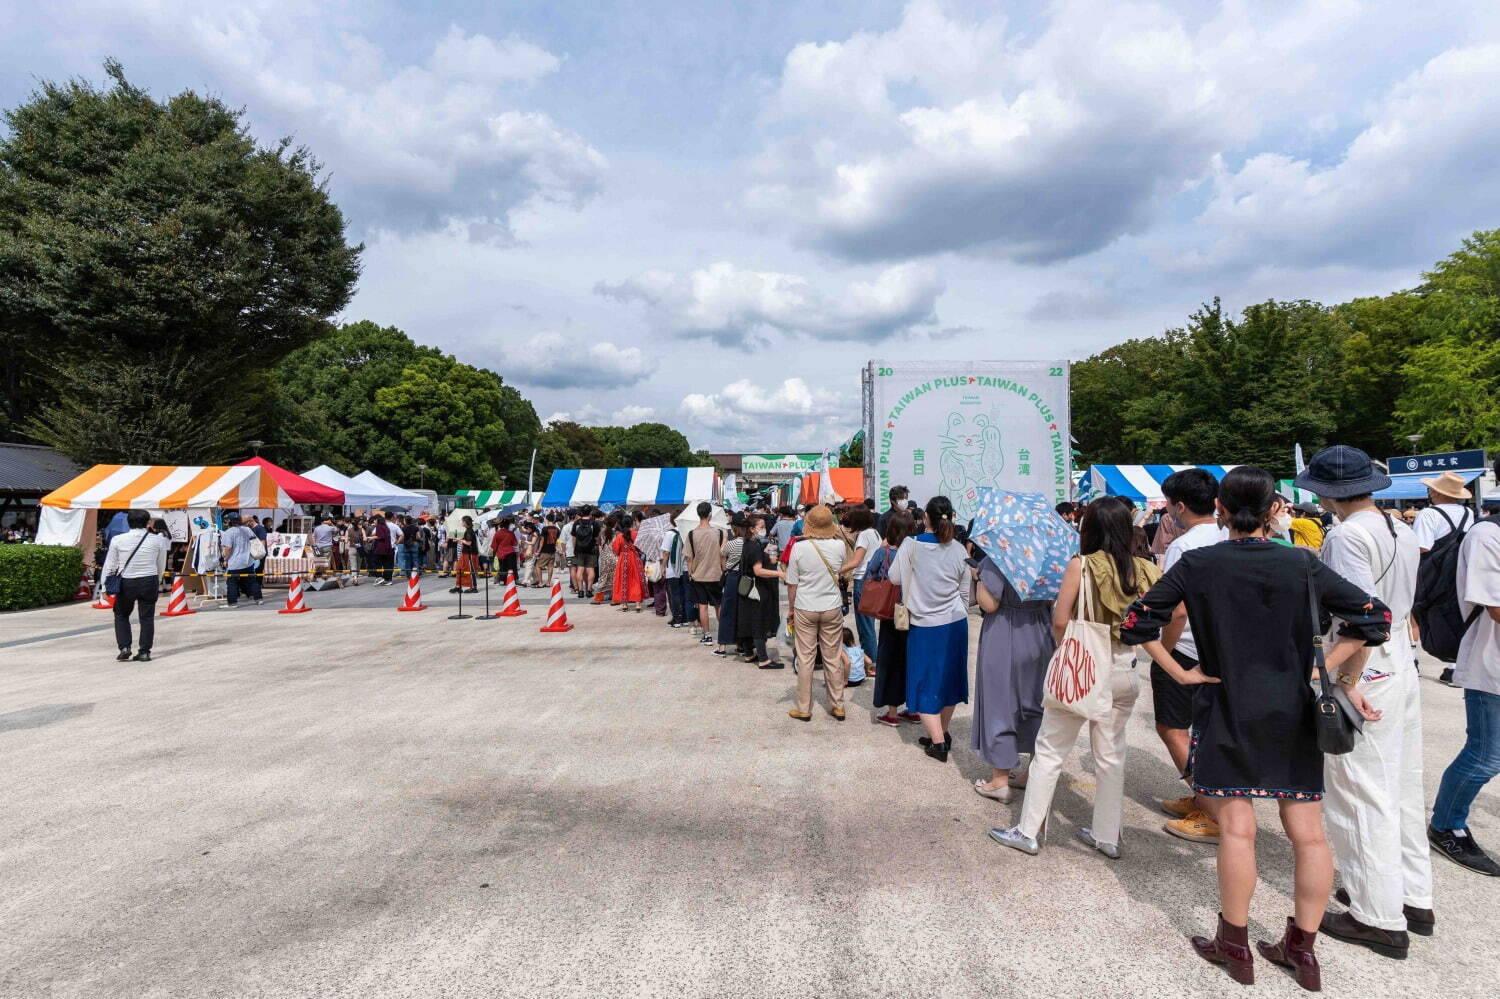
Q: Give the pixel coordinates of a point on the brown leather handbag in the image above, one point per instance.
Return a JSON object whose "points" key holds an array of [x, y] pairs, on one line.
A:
{"points": [[879, 597]]}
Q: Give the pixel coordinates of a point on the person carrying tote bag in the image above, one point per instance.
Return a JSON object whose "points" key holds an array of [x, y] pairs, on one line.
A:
{"points": [[1091, 679]]}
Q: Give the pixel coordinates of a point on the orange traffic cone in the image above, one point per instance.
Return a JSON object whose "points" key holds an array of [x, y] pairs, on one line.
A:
{"points": [[294, 603], [413, 600], [177, 605], [85, 586], [510, 604], [102, 600], [557, 618]]}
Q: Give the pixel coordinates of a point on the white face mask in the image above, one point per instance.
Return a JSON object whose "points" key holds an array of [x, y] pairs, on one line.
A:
{"points": [[760, 531], [902, 504], [1281, 523]]}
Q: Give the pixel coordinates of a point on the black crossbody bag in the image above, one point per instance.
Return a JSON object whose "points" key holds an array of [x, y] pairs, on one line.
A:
{"points": [[1338, 721], [113, 581]]}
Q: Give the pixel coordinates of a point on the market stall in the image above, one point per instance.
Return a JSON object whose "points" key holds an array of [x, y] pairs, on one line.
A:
{"points": [[407, 499], [615, 487], [1409, 487], [366, 491], [1137, 483], [487, 499], [848, 483]]}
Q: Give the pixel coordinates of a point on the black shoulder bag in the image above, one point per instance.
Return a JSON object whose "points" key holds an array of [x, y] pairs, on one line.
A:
{"points": [[113, 581], [1338, 721]]}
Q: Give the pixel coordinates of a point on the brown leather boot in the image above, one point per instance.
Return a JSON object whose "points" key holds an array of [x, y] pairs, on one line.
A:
{"points": [[1230, 948], [1295, 951]]}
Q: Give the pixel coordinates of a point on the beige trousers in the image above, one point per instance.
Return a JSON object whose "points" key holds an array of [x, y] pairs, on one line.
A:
{"points": [[817, 629], [1107, 738]]}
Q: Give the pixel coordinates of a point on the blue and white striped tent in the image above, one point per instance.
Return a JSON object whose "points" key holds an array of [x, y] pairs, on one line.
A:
{"points": [[616, 487], [1137, 483]]}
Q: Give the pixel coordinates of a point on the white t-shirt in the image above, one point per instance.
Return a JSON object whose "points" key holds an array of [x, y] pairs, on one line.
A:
{"points": [[869, 540], [1361, 550], [1197, 536], [567, 539], [1478, 666], [1430, 525], [934, 581], [817, 588]]}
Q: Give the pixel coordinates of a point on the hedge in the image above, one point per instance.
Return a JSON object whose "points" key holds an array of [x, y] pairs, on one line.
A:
{"points": [[33, 575]]}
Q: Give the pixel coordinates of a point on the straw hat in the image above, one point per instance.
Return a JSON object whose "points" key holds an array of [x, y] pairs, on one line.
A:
{"points": [[818, 523], [1447, 484]]}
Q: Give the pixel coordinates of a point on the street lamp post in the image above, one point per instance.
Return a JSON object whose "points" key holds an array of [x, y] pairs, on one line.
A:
{"points": [[1414, 439], [257, 445], [421, 475]]}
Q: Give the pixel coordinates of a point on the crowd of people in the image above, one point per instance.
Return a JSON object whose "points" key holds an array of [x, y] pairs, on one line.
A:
{"points": [[1222, 596], [1224, 616]]}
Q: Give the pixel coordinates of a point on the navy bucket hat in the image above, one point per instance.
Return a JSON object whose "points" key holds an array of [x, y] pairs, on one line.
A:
{"points": [[1342, 471]]}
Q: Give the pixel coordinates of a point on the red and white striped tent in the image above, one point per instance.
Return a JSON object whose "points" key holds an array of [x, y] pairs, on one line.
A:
{"points": [[170, 487]]}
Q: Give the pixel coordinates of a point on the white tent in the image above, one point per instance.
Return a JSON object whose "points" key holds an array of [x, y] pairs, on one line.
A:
{"points": [[362, 493], [392, 495]]}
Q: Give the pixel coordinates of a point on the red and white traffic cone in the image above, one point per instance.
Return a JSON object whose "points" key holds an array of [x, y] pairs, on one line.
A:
{"points": [[294, 603], [413, 600], [103, 600], [510, 604], [557, 618], [177, 605], [85, 586]]}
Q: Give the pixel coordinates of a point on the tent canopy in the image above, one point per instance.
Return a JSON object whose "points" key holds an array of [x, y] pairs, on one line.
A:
{"points": [[847, 482], [1137, 483], [301, 490], [1409, 487], [482, 498], [359, 492], [169, 487], [630, 486]]}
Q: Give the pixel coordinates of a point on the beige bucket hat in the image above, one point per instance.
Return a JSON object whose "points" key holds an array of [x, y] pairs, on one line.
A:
{"points": [[1447, 484]]}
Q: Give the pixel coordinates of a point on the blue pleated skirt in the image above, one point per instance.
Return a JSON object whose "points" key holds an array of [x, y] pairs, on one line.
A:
{"points": [[937, 667]]}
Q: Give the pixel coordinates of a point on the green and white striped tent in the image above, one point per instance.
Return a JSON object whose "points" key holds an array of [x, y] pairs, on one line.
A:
{"points": [[487, 499], [1286, 488]]}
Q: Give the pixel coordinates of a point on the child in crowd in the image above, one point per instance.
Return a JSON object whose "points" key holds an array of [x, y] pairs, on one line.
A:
{"points": [[852, 659]]}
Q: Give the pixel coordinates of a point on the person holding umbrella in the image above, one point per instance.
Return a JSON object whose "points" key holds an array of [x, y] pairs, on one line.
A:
{"points": [[1024, 546]]}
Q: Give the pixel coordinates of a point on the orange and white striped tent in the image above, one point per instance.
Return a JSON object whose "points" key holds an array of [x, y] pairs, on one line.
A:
{"points": [[169, 487]]}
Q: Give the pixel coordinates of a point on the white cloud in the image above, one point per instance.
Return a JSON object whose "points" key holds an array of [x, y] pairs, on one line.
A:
{"points": [[791, 414], [1420, 174], [1052, 139], [737, 307], [552, 360], [438, 143], [592, 416]]}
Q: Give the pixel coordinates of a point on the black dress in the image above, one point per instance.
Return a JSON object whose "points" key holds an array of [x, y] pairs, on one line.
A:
{"points": [[755, 619], [1248, 605], [890, 647]]}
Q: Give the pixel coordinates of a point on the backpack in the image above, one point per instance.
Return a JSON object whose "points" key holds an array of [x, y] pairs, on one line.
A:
{"points": [[1436, 605], [584, 537]]}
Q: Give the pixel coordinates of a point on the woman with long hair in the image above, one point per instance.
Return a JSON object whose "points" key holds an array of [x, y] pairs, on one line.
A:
{"points": [[933, 573], [466, 567], [859, 526], [758, 613], [630, 574], [730, 554], [890, 647], [1114, 577], [1251, 605], [607, 560]]}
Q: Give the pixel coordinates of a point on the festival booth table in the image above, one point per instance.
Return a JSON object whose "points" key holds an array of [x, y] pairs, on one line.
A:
{"points": [[191, 491], [849, 483], [619, 487], [289, 552], [1137, 483]]}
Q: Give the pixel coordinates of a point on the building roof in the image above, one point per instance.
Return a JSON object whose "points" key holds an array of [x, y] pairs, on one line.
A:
{"points": [[32, 470]]}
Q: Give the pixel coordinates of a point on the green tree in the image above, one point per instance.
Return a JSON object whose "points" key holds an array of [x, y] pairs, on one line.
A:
{"points": [[1451, 394], [652, 445], [565, 444], [852, 455], [446, 415], [133, 229]]}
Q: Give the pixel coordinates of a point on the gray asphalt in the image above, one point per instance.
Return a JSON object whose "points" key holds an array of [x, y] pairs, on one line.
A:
{"points": [[356, 802]]}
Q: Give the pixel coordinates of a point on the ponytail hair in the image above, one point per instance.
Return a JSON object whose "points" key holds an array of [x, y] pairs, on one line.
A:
{"points": [[940, 518], [1247, 493]]}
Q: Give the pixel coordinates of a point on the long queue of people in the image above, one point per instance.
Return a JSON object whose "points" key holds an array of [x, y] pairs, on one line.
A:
{"points": [[1226, 619]]}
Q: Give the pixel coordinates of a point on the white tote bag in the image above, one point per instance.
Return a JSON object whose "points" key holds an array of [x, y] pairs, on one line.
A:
{"points": [[1078, 678]]}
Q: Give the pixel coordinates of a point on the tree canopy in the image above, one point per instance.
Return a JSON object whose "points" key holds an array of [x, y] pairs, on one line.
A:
{"points": [[1248, 388], [133, 230]]}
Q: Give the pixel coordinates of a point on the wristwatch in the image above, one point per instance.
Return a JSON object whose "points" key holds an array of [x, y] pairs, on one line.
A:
{"points": [[1348, 679]]}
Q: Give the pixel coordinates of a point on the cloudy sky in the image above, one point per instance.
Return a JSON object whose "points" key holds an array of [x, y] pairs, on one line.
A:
{"points": [[715, 214]]}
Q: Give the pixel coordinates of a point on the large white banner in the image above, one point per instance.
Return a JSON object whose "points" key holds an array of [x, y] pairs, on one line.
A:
{"points": [[947, 428]]}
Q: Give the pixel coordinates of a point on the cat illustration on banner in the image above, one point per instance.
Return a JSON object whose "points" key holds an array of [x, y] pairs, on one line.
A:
{"points": [[970, 457]]}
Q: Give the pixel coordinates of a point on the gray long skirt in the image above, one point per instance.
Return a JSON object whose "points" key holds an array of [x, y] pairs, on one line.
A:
{"points": [[1015, 644]]}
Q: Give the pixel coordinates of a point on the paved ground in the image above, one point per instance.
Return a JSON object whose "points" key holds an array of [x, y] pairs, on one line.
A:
{"points": [[356, 802]]}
